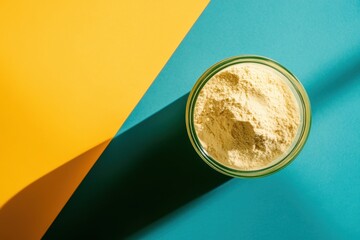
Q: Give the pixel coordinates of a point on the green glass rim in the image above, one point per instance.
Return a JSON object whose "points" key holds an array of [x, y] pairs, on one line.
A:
{"points": [[299, 141]]}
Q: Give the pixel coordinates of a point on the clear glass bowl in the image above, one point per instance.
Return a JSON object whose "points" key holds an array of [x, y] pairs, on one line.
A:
{"points": [[300, 138]]}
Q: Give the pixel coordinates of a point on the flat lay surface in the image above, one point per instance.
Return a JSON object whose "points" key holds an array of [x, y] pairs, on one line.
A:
{"points": [[149, 182]]}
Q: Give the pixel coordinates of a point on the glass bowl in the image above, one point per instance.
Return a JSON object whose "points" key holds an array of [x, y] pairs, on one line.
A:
{"points": [[300, 96]]}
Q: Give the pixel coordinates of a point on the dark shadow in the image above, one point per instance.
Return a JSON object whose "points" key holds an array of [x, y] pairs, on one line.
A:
{"points": [[144, 173], [152, 169], [31, 211]]}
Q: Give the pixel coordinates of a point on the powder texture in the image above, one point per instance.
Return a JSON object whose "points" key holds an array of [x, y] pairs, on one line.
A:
{"points": [[246, 116]]}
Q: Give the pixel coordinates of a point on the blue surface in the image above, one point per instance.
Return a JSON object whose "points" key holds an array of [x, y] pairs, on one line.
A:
{"points": [[316, 197]]}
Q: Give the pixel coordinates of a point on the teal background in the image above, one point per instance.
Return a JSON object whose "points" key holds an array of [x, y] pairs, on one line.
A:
{"points": [[316, 197]]}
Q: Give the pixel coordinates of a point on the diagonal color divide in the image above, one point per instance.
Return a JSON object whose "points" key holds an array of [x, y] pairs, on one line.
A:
{"points": [[71, 72], [134, 187]]}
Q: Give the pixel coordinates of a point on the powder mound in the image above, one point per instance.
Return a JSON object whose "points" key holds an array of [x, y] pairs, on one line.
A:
{"points": [[246, 116]]}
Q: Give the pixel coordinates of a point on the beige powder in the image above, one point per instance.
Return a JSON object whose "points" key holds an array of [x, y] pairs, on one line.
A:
{"points": [[246, 116]]}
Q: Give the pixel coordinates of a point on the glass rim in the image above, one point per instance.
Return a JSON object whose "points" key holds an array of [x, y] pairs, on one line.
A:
{"points": [[304, 105]]}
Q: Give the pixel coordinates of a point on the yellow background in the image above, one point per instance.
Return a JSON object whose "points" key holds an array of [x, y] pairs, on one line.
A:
{"points": [[71, 72]]}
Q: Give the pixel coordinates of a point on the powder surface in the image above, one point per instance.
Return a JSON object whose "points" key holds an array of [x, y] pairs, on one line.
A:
{"points": [[246, 116]]}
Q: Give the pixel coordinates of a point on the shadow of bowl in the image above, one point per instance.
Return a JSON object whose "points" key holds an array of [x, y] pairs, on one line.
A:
{"points": [[144, 173]]}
